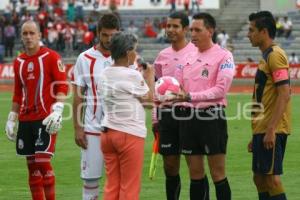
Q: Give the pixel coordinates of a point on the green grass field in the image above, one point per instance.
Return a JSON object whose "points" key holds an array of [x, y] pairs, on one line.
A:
{"points": [[13, 172]]}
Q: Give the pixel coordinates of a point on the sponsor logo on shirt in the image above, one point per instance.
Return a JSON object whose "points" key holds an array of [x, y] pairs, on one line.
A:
{"points": [[30, 76], [227, 65]]}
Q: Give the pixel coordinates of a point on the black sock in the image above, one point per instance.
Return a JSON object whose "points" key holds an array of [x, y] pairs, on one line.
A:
{"points": [[278, 197], [198, 189], [263, 196], [223, 191], [173, 186], [206, 188]]}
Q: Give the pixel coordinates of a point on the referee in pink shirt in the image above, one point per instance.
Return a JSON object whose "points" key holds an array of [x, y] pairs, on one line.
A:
{"points": [[165, 64], [206, 78]]}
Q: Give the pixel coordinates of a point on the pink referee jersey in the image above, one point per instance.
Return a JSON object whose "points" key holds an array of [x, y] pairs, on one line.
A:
{"points": [[168, 60], [207, 76]]}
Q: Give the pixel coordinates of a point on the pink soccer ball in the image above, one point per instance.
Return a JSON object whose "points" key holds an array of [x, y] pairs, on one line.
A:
{"points": [[166, 87]]}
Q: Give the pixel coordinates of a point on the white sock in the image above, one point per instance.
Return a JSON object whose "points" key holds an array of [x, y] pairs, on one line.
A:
{"points": [[90, 190]]}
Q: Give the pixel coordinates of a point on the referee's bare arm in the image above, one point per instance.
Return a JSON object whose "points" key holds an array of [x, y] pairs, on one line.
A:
{"points": [[148, 74]]}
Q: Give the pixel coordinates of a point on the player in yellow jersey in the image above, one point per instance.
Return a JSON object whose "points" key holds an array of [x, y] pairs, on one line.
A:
{"points": [[271, 114]]}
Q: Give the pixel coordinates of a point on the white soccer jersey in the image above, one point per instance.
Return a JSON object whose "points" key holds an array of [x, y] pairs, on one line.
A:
{"points": [[88, 67]]}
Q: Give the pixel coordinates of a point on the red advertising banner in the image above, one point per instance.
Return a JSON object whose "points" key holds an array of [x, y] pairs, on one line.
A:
{"points": [[249, 70], [242, 71], [7, 71]]}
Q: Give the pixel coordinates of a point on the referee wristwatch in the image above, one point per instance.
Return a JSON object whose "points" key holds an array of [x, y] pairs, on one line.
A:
{"points": [[188, 97]]}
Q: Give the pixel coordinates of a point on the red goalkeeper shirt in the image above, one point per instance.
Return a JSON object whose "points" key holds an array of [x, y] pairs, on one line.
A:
{"points": [[38, 78]]}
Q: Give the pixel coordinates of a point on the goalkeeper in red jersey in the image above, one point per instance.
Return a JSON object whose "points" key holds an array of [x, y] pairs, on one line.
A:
{"points": [[37, 104]]}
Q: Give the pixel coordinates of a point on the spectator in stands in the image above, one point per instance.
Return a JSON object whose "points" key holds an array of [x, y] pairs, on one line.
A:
{"points": [[16, 22], [114, 9], [52, 36], [79, 9], [186, 4], [9, 39], [23, 7], [26, 17], [42, 18], [173, 5], [293, 59], [287, 27], [196, 3], [59, 26], [71, 11], [163, 22], [1, 53], [79, 39], [279, 27], [222, 38], [132, 28], [148, 29], [68, 33], [88, 38]]}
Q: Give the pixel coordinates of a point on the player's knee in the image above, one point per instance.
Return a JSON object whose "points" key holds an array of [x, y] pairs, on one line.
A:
{"points": [[274, 182], [171, 166], [217, 175], [171, 169]]}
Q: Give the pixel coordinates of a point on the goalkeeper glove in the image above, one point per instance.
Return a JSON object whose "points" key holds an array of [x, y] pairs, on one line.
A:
{"points": [[10, 126], [54, 121]]}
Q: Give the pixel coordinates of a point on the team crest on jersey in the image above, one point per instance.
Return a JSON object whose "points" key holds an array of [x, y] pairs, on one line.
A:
{"points": [[20, 144], [61, 67], [204, 73], [30, 67]]}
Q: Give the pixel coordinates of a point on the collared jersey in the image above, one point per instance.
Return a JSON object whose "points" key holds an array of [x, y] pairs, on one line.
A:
{"points": [[264, 94], [207, 77], [38, 78], [87, 70], [168, 60]]}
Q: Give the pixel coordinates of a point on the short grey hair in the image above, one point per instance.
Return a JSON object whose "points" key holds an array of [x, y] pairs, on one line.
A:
{"points": [[121, 43], [32, 22]]}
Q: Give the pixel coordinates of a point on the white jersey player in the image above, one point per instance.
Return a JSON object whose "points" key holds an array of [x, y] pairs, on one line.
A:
{"points": [[87, 108]]}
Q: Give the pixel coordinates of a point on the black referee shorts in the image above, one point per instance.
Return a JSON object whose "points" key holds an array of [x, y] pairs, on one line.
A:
{"points": [[168, 132], [203, 131]]}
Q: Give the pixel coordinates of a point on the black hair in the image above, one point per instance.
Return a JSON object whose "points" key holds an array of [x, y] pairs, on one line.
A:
{"points": [[184, 19], [109, 21], [208, 19], [264, 19]]}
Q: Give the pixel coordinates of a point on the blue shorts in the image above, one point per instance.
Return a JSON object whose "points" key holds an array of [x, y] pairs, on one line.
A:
{"points": [[268, 161]]}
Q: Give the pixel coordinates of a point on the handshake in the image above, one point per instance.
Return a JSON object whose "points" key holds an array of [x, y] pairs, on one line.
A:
{"points": [[53, 121]]}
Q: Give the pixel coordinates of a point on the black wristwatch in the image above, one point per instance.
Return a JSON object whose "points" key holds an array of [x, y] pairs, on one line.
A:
{"points": [[188, 97]]}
